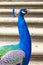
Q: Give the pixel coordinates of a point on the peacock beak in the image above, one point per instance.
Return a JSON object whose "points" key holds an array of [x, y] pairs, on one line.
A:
{"points": [[27, 11]]}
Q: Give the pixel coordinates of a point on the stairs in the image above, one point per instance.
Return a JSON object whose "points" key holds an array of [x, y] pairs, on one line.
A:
{"points": [[8, 26]]}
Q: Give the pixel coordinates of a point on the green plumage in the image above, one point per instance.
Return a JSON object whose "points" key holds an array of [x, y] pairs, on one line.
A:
{"points": [[5, 49]]}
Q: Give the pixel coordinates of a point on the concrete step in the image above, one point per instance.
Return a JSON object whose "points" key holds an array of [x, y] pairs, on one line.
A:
{"points": [[10, 31], [22, 4], [15, 19], [30, 10], [19, 0], [36, 63]]}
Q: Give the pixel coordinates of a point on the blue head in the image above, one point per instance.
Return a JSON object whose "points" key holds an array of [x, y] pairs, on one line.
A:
{"points": [[23, 11]]}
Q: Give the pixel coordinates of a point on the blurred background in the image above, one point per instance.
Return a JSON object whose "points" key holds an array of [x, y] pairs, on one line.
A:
{"points": [[8, 25]]}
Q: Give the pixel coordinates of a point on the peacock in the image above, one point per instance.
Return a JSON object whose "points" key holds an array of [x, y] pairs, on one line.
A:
{"points": [[18, 54]]}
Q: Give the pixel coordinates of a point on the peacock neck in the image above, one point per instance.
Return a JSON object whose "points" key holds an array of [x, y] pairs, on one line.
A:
{"points": [[25, 39], [23, 31]]}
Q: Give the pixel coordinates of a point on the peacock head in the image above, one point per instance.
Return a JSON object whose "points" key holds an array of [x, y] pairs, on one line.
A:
{"points": [[22, 12]]}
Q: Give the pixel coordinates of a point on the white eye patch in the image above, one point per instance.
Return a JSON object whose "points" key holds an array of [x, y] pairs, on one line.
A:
{"points": [[23, 12]]}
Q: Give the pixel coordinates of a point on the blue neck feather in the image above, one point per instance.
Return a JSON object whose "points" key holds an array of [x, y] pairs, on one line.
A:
{"points": [[25, 39], [23, 31]]}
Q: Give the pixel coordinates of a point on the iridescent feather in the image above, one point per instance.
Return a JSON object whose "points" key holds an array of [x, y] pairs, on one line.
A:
{"points": [[14, 56]]}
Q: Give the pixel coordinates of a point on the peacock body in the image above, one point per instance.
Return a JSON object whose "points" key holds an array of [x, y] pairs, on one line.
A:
{"points": [[18, 54]]}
